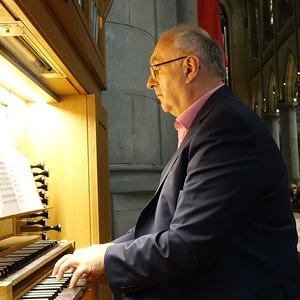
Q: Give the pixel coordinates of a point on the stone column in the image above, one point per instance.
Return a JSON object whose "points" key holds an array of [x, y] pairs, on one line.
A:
{"points": [[141, 137], [289, 140], [272, 123]]}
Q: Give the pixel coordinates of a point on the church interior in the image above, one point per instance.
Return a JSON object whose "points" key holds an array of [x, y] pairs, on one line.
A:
{"points": [[73, 98]]}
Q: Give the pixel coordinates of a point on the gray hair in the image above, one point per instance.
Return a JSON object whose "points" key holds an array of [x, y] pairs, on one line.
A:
{"points": [[198, 42]]}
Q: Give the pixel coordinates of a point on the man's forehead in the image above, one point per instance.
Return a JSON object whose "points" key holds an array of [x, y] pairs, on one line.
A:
{"points": [[163, 49]]}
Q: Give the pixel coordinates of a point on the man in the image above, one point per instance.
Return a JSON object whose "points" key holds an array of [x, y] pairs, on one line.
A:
{"points": [[219, 225]]}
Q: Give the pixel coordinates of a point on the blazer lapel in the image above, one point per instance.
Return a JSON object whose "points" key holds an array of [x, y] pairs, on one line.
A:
{"points": [[169, 166], [217, 96], [205, 110]]}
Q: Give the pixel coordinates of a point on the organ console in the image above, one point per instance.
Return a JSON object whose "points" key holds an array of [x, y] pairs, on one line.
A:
{"points": [[25, 273], [55, 115]]}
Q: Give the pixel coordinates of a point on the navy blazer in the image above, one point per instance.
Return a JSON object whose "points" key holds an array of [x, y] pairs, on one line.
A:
{"points": [[219, 225]]}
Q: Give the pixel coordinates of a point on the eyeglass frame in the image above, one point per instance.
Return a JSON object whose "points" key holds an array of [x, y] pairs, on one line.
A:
{"points": [[152, 71]]}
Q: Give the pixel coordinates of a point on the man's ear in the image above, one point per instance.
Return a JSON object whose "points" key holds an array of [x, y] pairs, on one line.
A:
{"points": [[192, 65]]}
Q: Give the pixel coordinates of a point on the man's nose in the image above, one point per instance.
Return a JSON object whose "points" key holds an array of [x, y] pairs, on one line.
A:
{"points": [[151, 83]]}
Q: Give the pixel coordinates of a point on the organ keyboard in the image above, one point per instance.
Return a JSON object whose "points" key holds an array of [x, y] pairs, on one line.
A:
{"points": [[51, 289], [25, 267]]}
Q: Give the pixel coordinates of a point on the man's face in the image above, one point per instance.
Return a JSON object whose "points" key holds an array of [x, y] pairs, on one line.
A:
{"points": [[169, 80]]}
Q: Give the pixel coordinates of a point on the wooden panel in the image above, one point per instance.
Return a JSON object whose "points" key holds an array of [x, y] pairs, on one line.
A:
{"points": [[99, 172], [5, 16], [74, 23], [6, 228], [90, 294], [45, 32], [103, 177], [5, 291], [57, 134], [92, 167], [70, 136], [61, 86], [104, 192]]}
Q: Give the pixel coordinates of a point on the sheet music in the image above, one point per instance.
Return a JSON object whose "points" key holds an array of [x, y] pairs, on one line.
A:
{"points": [[18, 192]]}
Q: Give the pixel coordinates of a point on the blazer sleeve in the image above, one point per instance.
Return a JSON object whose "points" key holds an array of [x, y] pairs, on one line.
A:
{"points": [[129, 236], [219, 188]]}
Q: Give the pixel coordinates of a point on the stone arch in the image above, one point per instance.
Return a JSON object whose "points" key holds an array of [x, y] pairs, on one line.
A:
{"points": [[236, 14], [290, 88]]}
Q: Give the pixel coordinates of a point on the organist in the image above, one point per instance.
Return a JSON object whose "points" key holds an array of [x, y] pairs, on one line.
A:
{"points": [[220, 225]]}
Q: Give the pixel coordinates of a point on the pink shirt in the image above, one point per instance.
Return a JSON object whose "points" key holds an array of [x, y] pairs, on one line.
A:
{"points": [[183, 122]]}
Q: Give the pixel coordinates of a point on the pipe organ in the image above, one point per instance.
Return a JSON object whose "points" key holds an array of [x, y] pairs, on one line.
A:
{"points": [[52, 73]]}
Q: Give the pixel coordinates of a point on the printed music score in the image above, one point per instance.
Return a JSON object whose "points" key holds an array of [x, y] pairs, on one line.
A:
{"points": [[18, 192]]}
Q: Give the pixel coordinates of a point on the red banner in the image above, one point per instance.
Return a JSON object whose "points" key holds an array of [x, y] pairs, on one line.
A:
{"points": [[209, 18]]}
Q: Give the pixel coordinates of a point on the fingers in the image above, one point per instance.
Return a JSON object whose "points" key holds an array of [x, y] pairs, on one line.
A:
{"points": [[87, 262], [76, 275], [68, 262], [59, 263]]}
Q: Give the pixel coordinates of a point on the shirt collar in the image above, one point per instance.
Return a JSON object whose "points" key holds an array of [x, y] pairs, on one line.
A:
{"points": [[186, 118]]}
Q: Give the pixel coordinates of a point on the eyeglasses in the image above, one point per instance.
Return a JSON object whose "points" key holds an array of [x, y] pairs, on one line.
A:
{"points": [[154, 68]]}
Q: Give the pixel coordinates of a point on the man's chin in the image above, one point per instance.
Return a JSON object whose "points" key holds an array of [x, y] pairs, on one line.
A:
{"points": [[165, 109], [168, 110]]}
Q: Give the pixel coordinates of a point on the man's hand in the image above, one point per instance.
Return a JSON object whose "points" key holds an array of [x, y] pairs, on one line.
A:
{"points": [[85, 262]]}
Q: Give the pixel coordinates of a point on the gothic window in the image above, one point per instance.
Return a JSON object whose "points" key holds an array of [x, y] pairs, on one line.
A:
{"points": [[254, 26], [291, 80], [285, 10], [272, 94], [225, 31], [80, 2], [267, 21]]}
